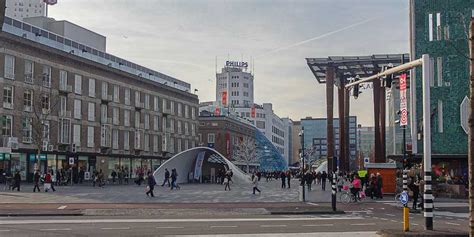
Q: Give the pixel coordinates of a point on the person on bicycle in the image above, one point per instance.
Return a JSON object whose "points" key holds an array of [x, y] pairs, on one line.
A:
{"points": [[356, 186]]}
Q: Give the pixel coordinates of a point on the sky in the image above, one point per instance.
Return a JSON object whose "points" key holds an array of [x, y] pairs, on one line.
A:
{"points": [[183, 39]]}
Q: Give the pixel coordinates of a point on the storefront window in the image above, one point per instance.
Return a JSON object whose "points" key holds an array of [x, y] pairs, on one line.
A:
{"points": [[136, 165], [146, 163], [114, 164], [18, 162], [52, 162], [156, 164], [125, 163], [83, 162], [62, 162]]}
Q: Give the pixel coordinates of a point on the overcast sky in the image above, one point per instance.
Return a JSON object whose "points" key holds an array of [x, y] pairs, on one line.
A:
{"points": [[182, 38]]}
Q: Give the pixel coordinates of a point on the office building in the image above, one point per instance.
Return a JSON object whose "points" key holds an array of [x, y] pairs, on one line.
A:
{"points": [[19, 9]]}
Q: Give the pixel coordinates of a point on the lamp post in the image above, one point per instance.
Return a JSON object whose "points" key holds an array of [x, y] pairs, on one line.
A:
{"points": [[301, 134]]}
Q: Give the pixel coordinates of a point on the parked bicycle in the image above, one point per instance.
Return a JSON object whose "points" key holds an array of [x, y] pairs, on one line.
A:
{"points": [[347, 196]]}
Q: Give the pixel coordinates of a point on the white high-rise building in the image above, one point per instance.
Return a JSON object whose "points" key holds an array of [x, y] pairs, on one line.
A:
{"points": [[19, 9], [235, 90]]}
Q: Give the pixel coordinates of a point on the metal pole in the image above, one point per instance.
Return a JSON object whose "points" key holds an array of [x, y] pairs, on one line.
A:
{"points": [[302, 156], [333, 184], [428, 195]]}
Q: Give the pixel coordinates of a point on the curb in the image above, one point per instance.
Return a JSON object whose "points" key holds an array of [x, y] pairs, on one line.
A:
{"points": [[38, 214], [422, 233], [306, 212]]}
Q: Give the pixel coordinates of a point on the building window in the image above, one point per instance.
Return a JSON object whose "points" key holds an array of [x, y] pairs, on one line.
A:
{"points": [[171, 125], [193, 129], [115, 140], [105, 90], [7, 122], [156, 124], [91, 112], [46, 76], [28, 100], [9, 67], [126, 118], [186, 111], [147, 121], [116, 93], [77, 109], [432, 66], [146, 146], [103, 113], [211, 138], [29, 70], [127, 96], [440, 116], [46, 130], [156, 105], [147, 101], [180, 128], [438, 26], [90, 136], [63, 80], [180, 110], [155, 143], [137, 98], [76, 139], [45, 103], [126, 140], [186, 128], [27, 130], [430, 27], [64, 130], [193, 113], [137, 119], [115, 116], [439, 65], [91, 87], [78, 84]]}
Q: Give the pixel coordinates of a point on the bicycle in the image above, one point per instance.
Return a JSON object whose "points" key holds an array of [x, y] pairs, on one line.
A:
{"points": [[347, 196]]}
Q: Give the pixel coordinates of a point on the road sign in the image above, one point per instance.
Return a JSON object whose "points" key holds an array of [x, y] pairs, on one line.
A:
{"points": [[404, 198], [403, 100], [71, 160], [464, 108]]}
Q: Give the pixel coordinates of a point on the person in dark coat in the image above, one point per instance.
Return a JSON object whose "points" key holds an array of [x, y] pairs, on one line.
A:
{"points": [[36, 180], [324, 176], [288, 178], [167, 178], [283, 179], [151, 184], [16, 181]]}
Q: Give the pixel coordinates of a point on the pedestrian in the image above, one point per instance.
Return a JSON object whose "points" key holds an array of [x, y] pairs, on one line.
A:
{"points": [[356, 187], [255, 184], [259, 175], [379, 186], [415, 188], [36, 180], [309, 179], [16, 181], [227, 182], [48, 182], [125, 175], [324, 176], [113, 174], [372, 187], [340, 182], [288, 178], [151, 184], [167, 178], [174, 178], [81, 175], [100, 178], [283, 179]]}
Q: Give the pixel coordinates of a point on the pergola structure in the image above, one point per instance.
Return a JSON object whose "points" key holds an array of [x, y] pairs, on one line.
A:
{"points": [[338, 71]]}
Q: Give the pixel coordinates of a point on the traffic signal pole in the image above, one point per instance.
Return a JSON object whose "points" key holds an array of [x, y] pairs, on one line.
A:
{"points": [[426, 76]]}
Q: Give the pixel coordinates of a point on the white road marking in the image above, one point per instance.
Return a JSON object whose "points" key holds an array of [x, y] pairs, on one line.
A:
{"points": [[363, 224], [170, 227], [393, 220], [115, 228], [318, 225], [5, 230], [309, 234], [390, 214], [223, 226], [62, 207], [414, 224], [269, 226], [63, 229], [92, 221], [314, 204], [384, 219], [450, 223]]}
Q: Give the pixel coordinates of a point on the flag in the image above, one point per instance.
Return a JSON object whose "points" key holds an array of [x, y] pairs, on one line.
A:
{"points": [[50, 2]]}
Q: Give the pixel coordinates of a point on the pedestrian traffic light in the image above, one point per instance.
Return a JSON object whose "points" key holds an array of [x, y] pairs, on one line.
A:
{"points": [[387, 82], [73, 148]]}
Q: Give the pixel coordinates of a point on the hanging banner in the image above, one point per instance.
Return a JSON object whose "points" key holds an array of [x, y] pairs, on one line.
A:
{"points": [[217, 111], [227, 143], [198, 166], [224, 98], [403, 100], [253, 111]]}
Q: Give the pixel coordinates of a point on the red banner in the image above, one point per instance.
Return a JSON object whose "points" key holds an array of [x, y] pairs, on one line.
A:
{"points": [[217, 112], [253, 111], [227, 142], [224, 98]]}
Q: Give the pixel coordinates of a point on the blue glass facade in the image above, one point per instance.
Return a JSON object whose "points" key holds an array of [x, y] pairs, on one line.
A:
{"points": [[267, 154]]}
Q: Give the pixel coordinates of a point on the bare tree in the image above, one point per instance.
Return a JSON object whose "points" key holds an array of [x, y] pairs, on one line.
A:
{"points": [[245, 152], [40, 106]]}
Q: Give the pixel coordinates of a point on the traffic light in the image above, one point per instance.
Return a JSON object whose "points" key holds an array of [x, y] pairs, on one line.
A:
{"points": [[356, 89], [387, 82], [73, 148]]}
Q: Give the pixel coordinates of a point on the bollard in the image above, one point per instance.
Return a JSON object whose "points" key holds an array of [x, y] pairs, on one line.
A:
{"points": [[406, 219]]}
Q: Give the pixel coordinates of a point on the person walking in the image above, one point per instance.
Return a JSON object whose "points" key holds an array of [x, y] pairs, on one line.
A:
{"points": [[48, 182], [113, 174], [356, 187], [151, 184], [309, 179], [16, 181], [415, 188], [255, 184], [174, 178], [36, 180], [288, 178], [379, 186], [167, 178], [283, 179], [227, 182], [324, 176], [100, 178], [81, 175]]}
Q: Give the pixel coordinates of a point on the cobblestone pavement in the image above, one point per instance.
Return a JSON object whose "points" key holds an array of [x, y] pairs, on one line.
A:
{"points": [[189, 193]]}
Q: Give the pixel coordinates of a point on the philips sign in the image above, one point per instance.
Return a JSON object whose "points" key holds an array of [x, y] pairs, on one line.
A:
{"points": [[236, 64]]}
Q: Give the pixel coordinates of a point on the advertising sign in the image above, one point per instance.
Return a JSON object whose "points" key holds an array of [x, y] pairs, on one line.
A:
{"points": [[198, 166], [224, 98], [217, 111], [253, 111], [236, 64], [403, 100]]}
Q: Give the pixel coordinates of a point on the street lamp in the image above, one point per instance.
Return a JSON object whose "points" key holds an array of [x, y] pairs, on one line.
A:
{"points": [[301, 134]]}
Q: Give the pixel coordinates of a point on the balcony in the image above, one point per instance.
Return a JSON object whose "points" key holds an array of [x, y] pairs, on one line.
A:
{"points": [[29, 78], [9, 75], [28, 108], [65, 89], [106, 120], [27, 140], [166, 111], [45, 111], [65, 114], [139, 105], [7, 105], [106, 98]]}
